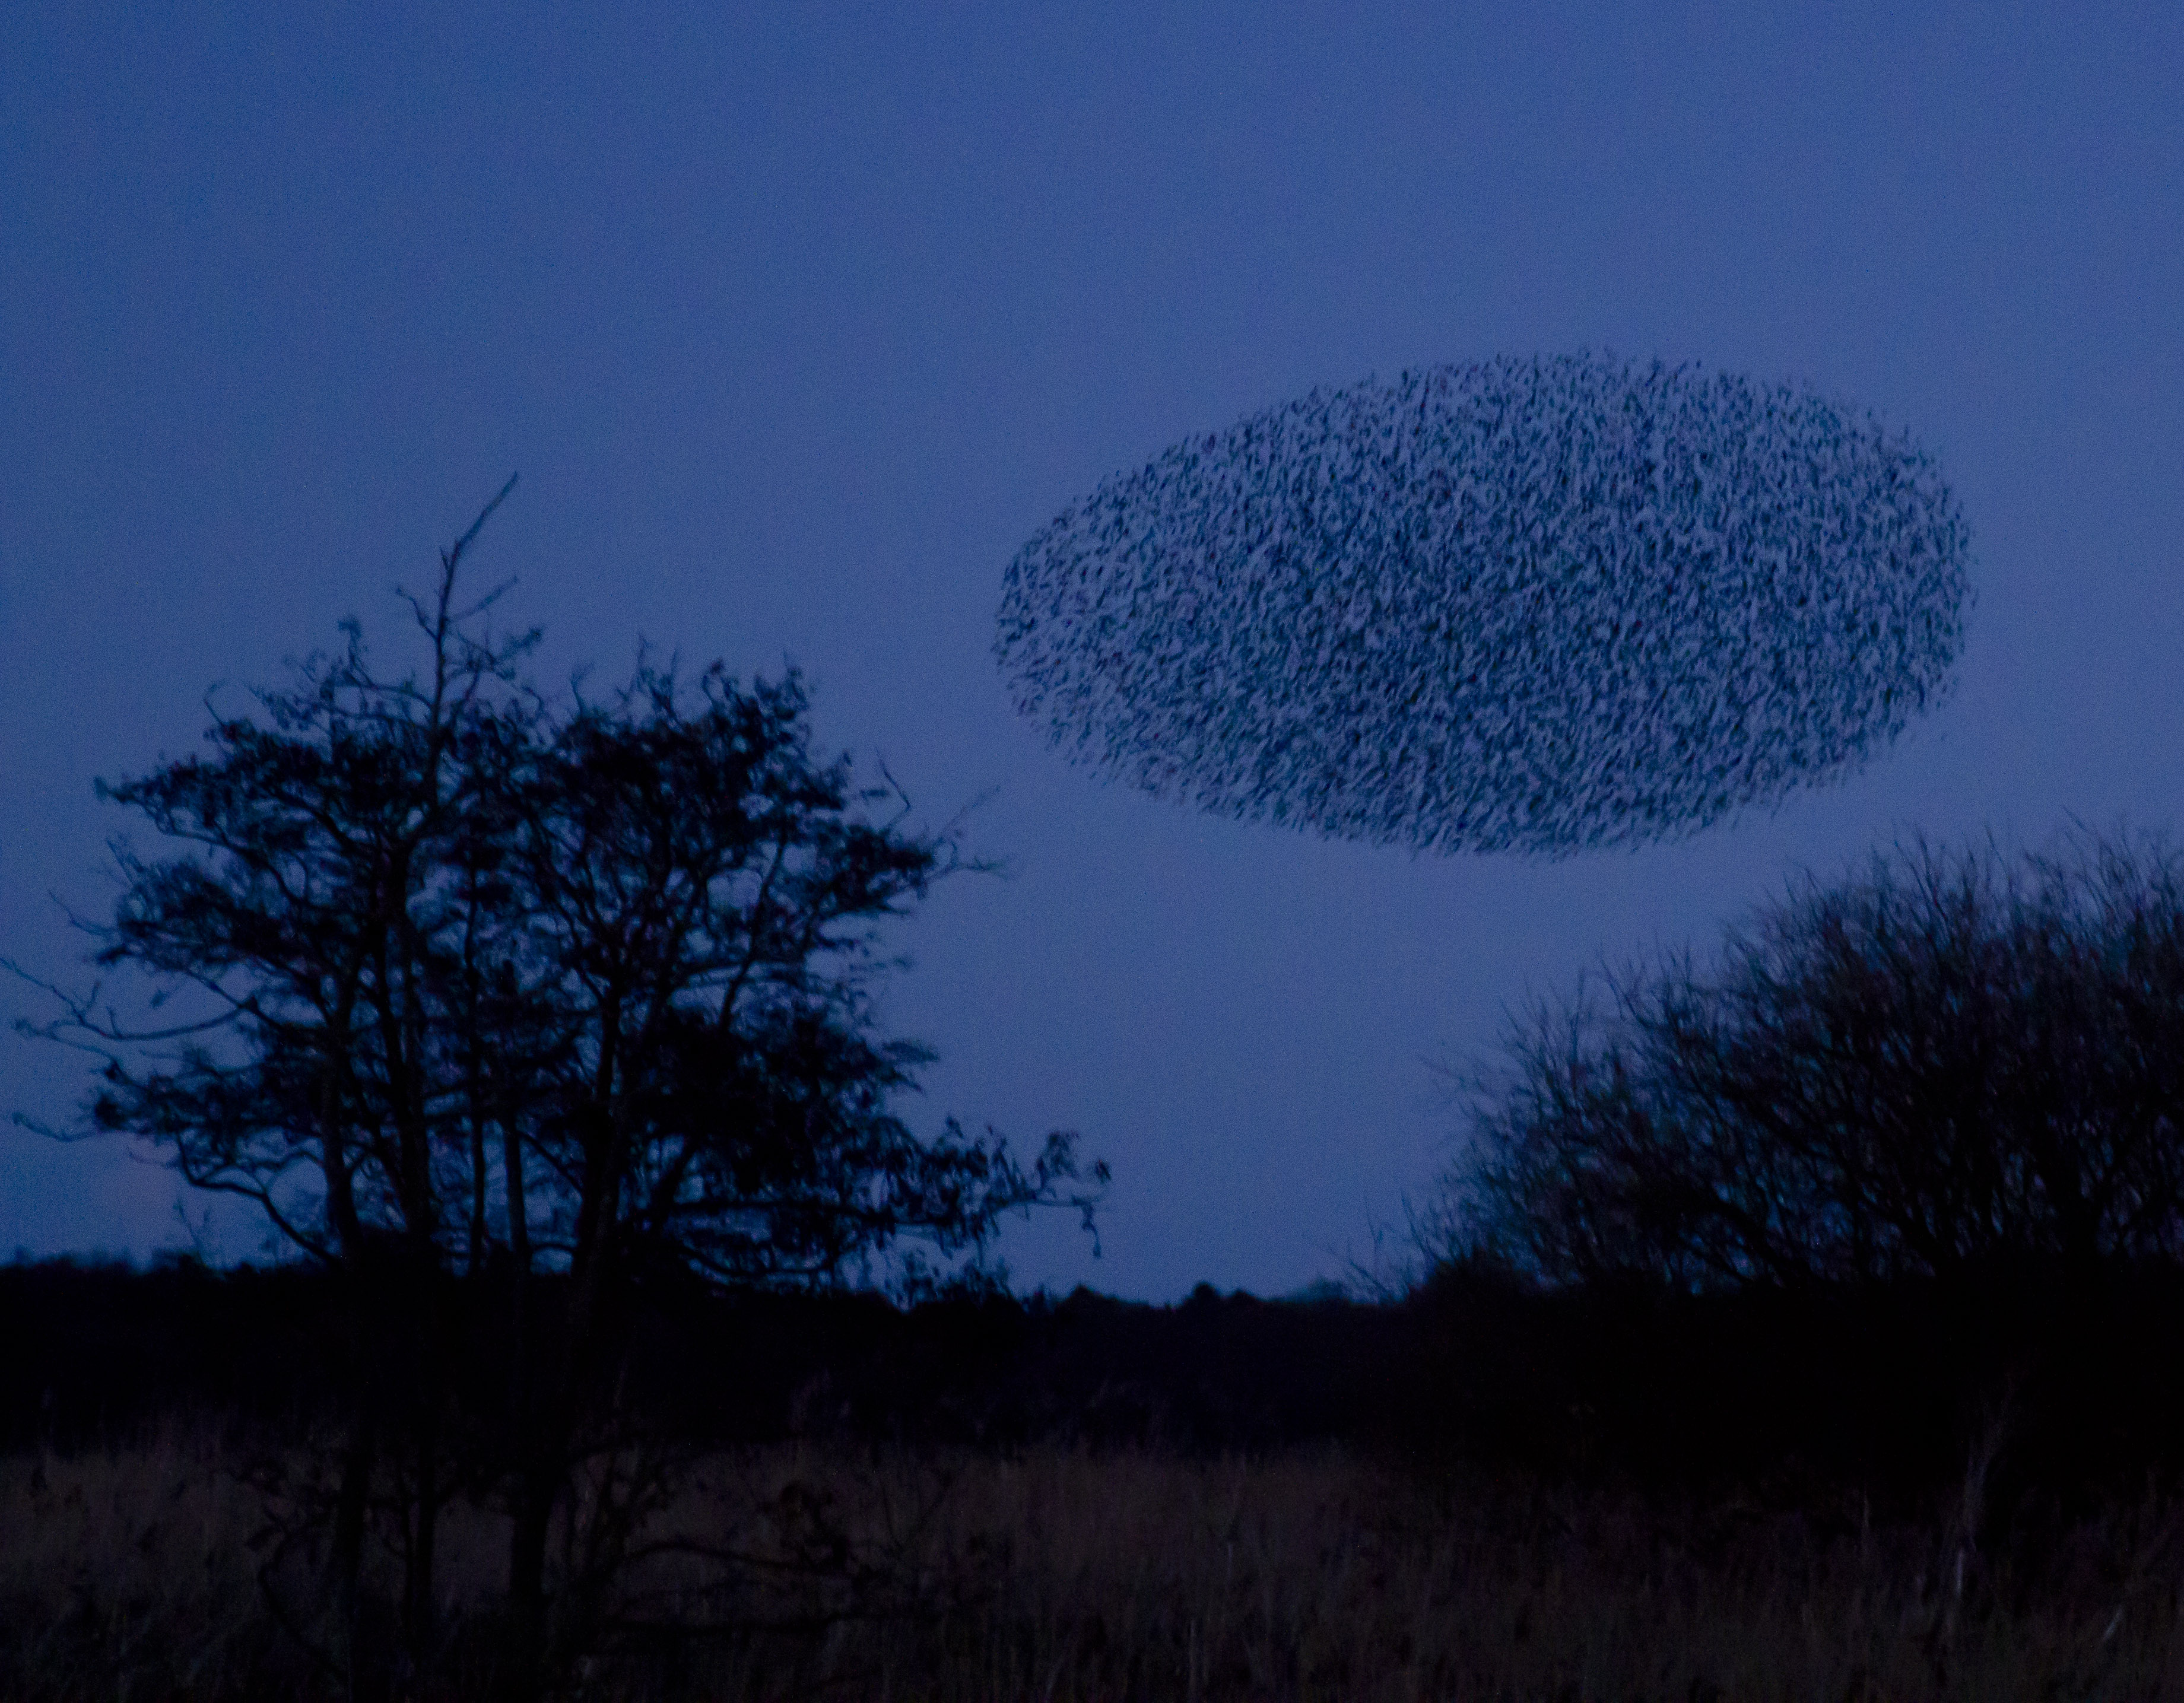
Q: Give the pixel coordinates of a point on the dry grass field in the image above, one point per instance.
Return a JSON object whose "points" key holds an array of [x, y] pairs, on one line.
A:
{"points": [[133, 1574]]}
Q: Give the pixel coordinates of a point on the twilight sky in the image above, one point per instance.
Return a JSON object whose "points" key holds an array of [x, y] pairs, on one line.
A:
{"points": [[796, 330]]}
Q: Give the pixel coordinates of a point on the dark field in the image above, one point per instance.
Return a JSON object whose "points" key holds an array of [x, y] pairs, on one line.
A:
{"points": [[1474, 1493], [1060, 1572]]}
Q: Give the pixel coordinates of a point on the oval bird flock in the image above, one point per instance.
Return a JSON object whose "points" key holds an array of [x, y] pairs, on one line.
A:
{"points": [[1537, 604]]}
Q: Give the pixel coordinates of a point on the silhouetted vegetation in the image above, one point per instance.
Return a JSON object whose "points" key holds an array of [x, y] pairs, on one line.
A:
{"points": [[1078, 1575], [1951, 1063], [1884, 1387], [1797, 1324], [1949, 1487], [457, 983]]}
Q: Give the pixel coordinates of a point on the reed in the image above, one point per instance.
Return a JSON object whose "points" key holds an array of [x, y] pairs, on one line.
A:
{"points": [[134, 1572]]}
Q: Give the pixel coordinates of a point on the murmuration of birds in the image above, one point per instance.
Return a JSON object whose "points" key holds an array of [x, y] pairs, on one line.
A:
{"points": [[1539, 605]]}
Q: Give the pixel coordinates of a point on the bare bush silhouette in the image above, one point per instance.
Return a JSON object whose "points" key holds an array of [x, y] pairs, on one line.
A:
{"points": [[1950, 1060]]}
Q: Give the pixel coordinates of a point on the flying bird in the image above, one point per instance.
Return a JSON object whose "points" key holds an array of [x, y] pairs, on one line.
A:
{"points": [[1537, 604]]}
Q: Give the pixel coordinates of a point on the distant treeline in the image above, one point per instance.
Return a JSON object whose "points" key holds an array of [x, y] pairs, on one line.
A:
{"points": [[1888, 1386]]}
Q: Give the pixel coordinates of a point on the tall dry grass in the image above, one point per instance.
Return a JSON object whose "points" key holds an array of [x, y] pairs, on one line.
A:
{"points": [[130, 1574]]}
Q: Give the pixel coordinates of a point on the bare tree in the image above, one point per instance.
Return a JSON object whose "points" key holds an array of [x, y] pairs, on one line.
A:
{"points": [[296, 949], [1947, 1060], [475, 990], [698, 900]]}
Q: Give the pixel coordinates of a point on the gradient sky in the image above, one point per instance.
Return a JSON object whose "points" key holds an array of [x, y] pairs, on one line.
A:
{"points": [[798, 321]]}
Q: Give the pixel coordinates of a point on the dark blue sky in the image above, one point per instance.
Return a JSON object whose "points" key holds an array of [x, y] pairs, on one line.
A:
{"points": [[798, 330]]}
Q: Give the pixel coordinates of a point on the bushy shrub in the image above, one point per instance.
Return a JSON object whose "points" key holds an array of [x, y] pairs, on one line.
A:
{"points": [[1952, 1060]]}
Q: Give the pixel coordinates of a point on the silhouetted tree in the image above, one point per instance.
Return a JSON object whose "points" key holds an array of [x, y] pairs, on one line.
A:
{"points": [[696, 898], [472, 984], [305, 942], [1950, 1061]]}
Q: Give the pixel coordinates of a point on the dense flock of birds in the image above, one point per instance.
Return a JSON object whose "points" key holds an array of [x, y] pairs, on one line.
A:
{"points": [[1533, 605]]}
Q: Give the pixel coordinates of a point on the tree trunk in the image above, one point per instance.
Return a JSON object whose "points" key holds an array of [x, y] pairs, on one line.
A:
{"points": [[559, 1401], [420, 1609], [526, 1661], [345, 1565]]}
